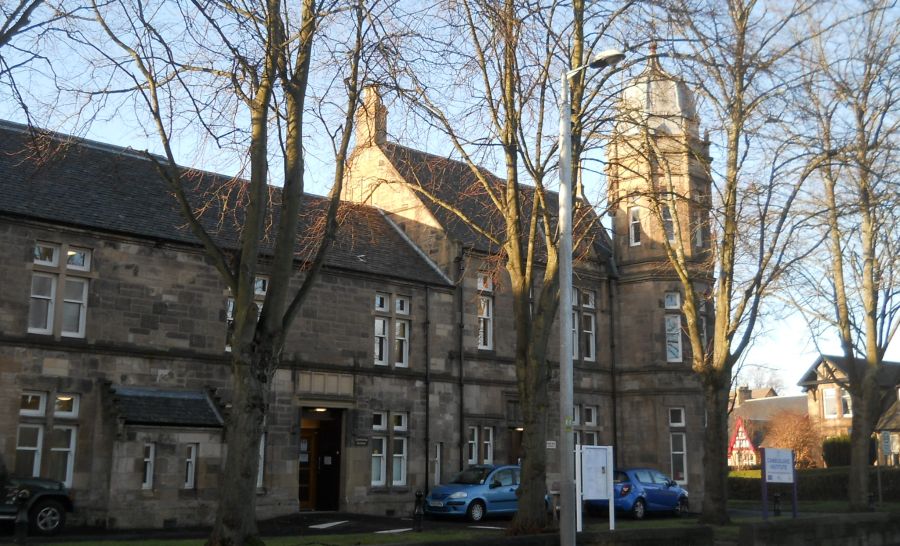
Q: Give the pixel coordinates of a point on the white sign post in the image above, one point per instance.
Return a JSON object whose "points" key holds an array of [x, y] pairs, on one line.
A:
{"points": [[594, 479], [777, 467]]}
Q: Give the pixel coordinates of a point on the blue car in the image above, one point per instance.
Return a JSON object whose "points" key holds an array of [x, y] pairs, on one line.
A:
{"points": [[638, 491], [475, 492]]}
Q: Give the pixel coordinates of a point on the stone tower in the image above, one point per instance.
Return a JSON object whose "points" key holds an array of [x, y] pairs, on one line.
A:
{"points": [[658, 189]]}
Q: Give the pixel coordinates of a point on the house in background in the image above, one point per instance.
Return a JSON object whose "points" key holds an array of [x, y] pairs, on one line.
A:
{"points": [[750, 421], [830, 405]]}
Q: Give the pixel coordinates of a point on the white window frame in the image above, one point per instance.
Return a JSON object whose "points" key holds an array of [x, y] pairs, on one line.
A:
{"points": [[37, 448], [51, 306], [634, 226], [379, 459], [698, 229], [673, 338], [683, 453], [54, 262], [845, 397], [69, 450], [676, 422], [401, 305], [190, 466], [672, 301], [590, 416], [485, 282], [41, 411], [588, 299], [401, 343], [382, 340], [382, 425], [398, 457], [590, 438], [472, 445], [147, 470], [73, 250], [403, 425], [832, 396], [589, 336], [487, 445], [703, 334], [76, 404], [82, 308], [382, 302], [576, 414], [576, 326], [485, 321], [260, 285]]}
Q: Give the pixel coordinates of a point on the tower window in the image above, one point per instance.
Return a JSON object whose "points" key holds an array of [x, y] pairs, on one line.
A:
{"points": [[634, 226]]}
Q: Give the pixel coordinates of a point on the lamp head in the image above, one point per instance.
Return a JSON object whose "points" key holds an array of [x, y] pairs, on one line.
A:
{"points": [[609, 57]]}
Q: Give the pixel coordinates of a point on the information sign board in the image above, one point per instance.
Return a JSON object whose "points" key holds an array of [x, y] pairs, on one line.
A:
{"points": [[779, 465]]}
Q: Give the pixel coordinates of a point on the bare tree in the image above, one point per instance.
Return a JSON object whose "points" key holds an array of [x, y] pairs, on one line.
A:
{"points": [[797, 432], [737, 55], [213, 63], [509, 55], [852, 289]]}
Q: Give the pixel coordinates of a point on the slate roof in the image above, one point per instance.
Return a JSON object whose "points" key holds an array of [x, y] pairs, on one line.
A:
{"points": [[163, 407], [891, 418], [69, 181], [453, 183], [888, 375], [763, 409]]}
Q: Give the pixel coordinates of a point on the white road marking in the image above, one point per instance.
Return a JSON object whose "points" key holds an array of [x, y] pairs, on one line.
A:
{"points": [[391, 531], [328, 525]]}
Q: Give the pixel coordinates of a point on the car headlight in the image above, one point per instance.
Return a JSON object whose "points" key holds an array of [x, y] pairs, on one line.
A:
{"points": [[459, 495]]}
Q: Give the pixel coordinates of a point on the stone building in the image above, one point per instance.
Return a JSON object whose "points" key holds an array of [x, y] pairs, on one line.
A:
{"points": [[399, 370]]}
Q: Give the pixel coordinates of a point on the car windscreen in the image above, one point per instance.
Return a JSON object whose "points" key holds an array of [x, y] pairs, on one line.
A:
{"points": [[471, 476]]}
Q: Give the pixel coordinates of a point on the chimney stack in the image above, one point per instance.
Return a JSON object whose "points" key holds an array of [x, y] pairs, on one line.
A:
{"points": [[371, 119]]}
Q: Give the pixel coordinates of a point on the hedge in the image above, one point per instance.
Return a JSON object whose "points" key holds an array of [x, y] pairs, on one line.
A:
{"points": [[818, 484], [836, 451]]}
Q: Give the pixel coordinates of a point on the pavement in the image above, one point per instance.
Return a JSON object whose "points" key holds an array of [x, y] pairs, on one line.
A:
{"points": [[303, 523]]}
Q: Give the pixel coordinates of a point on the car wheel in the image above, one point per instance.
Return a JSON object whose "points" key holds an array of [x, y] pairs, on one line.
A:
{"points": [[639, 510], [681, 509], [47, 517], [476, 511]]}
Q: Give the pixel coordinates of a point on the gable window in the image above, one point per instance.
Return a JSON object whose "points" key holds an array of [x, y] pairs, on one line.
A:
{"points": [[485, 311], [846, 404], [149, 462], [392, 334], [634, 226], [59, 288], [673, 338], [829, 404], [668, 224]]}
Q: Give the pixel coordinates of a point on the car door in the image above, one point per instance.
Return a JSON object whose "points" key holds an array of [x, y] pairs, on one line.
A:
{"points": [[667, 496], [501, 493], [651, 490]]}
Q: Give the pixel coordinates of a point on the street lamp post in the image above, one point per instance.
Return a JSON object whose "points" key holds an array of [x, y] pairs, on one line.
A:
{"points": [[566, 380]]}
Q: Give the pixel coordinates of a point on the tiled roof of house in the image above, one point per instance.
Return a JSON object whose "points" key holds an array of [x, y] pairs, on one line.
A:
{"points": [[164, 407], [891, 418], [68, 181], [446, 183], [763, 409]]}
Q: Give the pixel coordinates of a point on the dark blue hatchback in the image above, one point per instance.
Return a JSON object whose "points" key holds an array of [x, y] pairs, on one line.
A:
{"points": [[475, 492], [641, 490]]}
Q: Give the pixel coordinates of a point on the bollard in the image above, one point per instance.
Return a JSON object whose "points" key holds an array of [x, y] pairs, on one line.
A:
{"points": [[776, 504], [418, 512], [21, 526]]}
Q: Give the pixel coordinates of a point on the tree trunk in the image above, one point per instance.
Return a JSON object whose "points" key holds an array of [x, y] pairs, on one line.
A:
{"points": [[532, 515], [858, 480], [715, 449], [236, 516]]}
